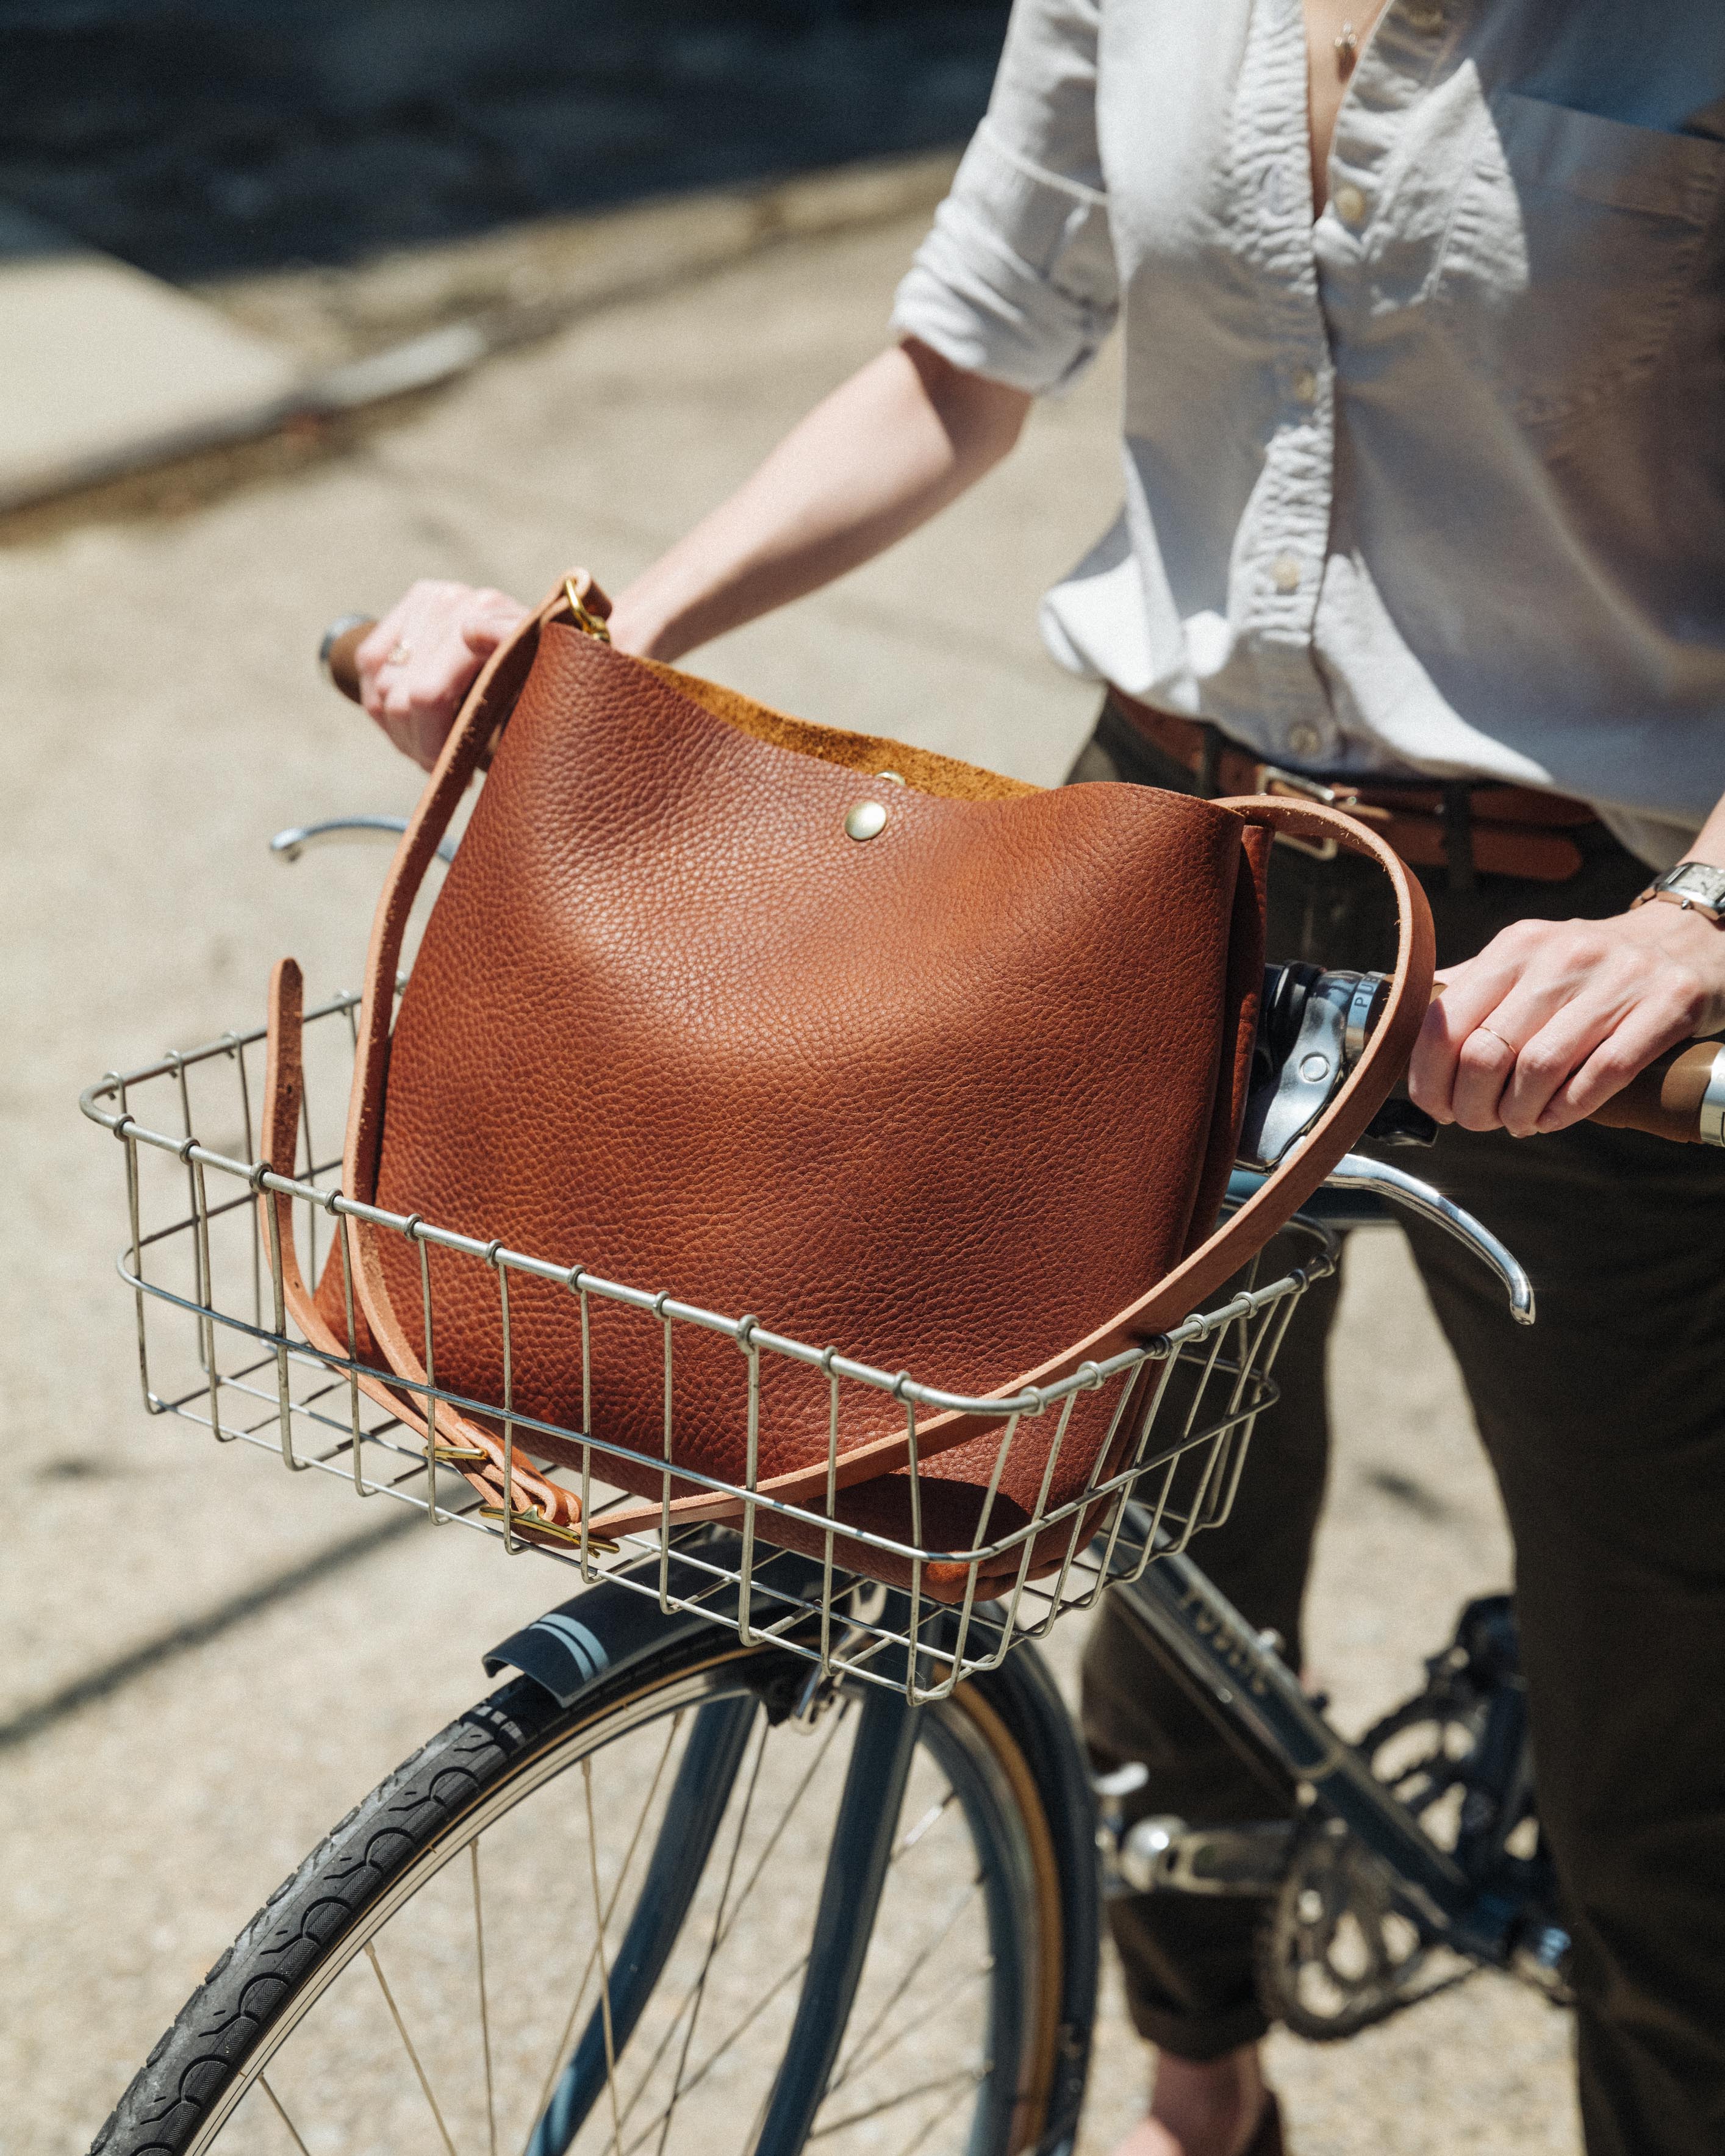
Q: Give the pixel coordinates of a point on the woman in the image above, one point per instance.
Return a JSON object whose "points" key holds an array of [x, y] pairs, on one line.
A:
{"points": [[1424, 313]]}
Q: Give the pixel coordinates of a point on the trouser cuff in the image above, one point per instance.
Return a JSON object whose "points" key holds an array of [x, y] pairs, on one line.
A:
{"points": [[1210, 2036]]}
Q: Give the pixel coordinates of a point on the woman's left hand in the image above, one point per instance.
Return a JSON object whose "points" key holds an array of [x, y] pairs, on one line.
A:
{"points": [[1553, 1017]]}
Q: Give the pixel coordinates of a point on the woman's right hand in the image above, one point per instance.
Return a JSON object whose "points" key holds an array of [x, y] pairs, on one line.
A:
{"points": [[420, 660]]}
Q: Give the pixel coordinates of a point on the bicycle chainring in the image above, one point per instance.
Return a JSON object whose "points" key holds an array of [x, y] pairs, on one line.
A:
{"points": [[1336, 1952], [1339, 1951]]}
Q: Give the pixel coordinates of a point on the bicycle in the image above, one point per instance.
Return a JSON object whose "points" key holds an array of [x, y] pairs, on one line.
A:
{"points": [[830, 1816]]}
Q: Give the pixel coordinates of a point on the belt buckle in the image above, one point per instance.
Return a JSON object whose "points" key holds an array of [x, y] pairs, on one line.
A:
{"points": [[1273, 779]]}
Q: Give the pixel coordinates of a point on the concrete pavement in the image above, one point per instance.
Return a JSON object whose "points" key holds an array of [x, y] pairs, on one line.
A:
{"points": [[96, 357], [162, 718]]}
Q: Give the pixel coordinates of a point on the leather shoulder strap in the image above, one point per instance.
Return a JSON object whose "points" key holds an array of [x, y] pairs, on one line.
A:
{"points": [[1343, 1123], [487, 707], [488, 703]]}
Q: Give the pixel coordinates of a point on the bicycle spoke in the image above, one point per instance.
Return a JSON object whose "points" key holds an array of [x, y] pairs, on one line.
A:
{"points": [[593, 1867], [919, 1961], [479, 1957], [561, 2049], [690, 1825], [920, 2020], [760, 2117], [859, 1853], [281, 2113], [938, 2119], [712, 1947], [774, 1839], [401, 2029], [964, 2078], [720, 2049], [728, 1915], [795, 1800], [930, 1819]]}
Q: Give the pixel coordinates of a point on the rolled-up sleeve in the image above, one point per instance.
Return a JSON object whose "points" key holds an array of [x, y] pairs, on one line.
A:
{"points": [[1017, 280]]}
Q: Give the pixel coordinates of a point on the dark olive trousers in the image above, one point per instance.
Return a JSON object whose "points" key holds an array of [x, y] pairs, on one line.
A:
{"points": [[1605, 1425]]}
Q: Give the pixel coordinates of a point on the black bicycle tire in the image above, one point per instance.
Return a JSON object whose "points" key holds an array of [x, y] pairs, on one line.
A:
{"points": [[191, 2074]]}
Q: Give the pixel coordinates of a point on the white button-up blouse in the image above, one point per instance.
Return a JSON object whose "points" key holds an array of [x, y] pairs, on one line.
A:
{"points": [[1435, 483]]}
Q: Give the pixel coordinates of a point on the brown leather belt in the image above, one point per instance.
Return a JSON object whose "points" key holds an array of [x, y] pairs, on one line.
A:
{"points": [[1468, 825]]}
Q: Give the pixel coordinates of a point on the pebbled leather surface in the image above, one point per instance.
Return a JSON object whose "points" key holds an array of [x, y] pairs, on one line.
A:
{"points": [[945, 1099]]}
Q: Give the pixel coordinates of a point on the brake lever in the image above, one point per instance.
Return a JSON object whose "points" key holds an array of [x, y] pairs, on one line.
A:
{"points": [[1328, 1208], [1355, 1172]]}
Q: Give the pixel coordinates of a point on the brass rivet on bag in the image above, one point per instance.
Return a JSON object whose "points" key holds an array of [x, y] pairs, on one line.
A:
{"points": [[866, 820], [892, 777]]}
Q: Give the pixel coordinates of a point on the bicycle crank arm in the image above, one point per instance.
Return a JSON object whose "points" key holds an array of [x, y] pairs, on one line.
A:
{"points": [[1162, 1855]]}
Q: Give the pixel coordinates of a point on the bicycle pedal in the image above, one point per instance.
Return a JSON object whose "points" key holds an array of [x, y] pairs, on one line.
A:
{"points": [[1159, 1856]]}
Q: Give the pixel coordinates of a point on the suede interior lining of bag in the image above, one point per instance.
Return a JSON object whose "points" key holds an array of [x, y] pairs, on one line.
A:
{"points": [[872, 754]]}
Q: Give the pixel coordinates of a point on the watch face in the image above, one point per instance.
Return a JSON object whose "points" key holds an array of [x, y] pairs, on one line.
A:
{"points": [[1696, 879]]}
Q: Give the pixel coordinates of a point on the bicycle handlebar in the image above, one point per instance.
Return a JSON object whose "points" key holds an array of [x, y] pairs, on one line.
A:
{"points": [[338, 653], [1680, 1096]]}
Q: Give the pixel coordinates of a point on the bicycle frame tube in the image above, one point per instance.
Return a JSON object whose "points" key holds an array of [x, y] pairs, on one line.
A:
{"points": [[1214, 1645]]}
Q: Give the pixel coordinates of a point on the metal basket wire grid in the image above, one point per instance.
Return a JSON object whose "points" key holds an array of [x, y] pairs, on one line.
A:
{"points": [[215, 1348]]}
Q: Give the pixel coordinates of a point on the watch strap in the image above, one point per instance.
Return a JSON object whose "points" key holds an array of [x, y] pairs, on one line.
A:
{"points": [[1695, 886]]}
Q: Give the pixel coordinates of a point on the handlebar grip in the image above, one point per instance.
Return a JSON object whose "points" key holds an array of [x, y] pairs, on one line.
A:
{"points": [[1680, 1096], [338, 653]]}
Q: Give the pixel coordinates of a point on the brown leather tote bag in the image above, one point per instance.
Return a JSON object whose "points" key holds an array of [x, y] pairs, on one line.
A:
{"points": [[887, 1050]]}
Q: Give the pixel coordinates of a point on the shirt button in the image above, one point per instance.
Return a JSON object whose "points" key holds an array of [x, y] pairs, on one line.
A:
{"points": [[1350, 204], [1304, 385], [1285, 572], [1425, 14], [1305, 740]]}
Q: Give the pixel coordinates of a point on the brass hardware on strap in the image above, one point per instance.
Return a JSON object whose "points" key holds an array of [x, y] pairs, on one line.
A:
{"points": [[521, 1516], [589, 624]]}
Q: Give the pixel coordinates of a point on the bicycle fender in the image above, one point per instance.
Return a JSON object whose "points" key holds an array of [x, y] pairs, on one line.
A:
{"points": [[620, 1620], [605, 1629]]}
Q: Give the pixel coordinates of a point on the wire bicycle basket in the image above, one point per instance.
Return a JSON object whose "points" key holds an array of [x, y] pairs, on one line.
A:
{"points": [[216, 1349]]}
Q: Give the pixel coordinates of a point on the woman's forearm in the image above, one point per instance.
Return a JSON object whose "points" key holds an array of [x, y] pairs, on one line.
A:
{"points": [[897, 441]]}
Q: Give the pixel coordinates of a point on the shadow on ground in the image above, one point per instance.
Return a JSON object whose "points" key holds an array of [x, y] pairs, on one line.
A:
{"points": [[207, 138]]}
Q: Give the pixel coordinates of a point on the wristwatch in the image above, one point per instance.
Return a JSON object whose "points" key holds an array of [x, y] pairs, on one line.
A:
{"points": [[1695, 886]]}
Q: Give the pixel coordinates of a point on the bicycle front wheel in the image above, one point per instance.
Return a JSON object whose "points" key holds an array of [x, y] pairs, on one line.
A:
{"points": [[669, 1917]]}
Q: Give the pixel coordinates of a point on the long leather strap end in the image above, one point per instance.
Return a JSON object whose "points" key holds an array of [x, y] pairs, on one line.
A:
{"points": [[283, 1072], [284, 1100]]}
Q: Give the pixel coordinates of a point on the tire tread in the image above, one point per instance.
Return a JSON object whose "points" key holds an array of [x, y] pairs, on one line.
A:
{"points": [[171, 2092]]}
